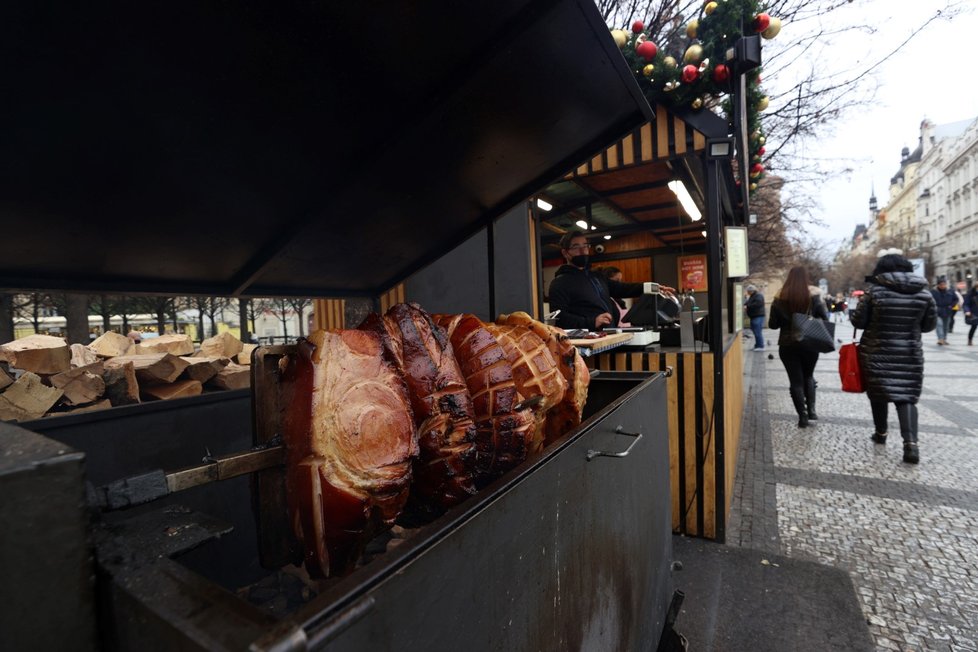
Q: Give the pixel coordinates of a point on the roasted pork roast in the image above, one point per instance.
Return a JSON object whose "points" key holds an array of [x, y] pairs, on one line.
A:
{"points": [[503, 431], [350, 439], [446, 471]]}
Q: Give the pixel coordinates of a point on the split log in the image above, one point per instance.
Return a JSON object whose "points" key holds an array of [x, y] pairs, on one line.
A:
{"points": [[203, 369], [111, 344], [245, 356], [41, 354], [82, 356], [222, 345], [174, 344], [81, 385], [179, 389], [27, 399], [151, 368], [121, 386], [5, 380], [233, 376]]}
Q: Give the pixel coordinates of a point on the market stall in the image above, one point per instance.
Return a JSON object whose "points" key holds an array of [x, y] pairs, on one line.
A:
{"points": [[182, 148]]}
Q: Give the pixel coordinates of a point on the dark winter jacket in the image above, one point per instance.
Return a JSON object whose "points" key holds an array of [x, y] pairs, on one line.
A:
{"points": [[895, 310], [581, 296], [755, 305], [781, 318], [945, 300], [971, 304]]}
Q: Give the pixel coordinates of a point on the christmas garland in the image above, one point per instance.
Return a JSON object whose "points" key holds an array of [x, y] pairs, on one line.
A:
{"points": [[703, 77]]}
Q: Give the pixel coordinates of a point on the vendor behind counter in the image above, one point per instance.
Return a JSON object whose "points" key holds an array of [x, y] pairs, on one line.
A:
{"points": [[585, 299]]}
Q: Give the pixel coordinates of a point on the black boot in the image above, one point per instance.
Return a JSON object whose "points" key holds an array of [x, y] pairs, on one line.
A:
{"points": [[907, 412], [810, 398], [798, 398]]}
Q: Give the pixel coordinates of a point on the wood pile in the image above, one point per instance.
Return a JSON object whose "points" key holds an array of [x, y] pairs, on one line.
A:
{"points": [[41, 375]]}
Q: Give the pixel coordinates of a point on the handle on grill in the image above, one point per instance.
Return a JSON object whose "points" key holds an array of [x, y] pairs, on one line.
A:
{"points": [[591, 454]]}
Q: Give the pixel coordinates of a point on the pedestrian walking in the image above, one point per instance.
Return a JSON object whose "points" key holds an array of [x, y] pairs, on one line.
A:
{"points": [[797, 295], [971, 312], [945, 299], [895, 310], [838, 309], [754, 306]]}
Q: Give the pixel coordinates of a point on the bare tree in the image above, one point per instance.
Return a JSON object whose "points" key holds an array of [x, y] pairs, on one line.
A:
{"points": [[6, 317], [299, 305], [76, 318], [809, 95]]}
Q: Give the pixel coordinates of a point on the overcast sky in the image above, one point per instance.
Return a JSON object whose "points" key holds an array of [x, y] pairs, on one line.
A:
{"points": [[933, 77]]}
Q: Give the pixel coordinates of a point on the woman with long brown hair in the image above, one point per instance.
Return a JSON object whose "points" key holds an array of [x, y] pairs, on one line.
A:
{"points": [[797, 295]]}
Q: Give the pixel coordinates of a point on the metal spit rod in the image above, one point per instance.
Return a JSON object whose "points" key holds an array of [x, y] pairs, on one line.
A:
{"points": [[156, 484]]}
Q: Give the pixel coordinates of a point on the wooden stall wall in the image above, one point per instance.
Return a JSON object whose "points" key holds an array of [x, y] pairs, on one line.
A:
{"points": [[328, 314], [694, 459], [733, 380]]}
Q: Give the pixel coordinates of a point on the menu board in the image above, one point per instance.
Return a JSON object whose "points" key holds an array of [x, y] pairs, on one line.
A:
{"points": [[692, 273], [735, 244]]}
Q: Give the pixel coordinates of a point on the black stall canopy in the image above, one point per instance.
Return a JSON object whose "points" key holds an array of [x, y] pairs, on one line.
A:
{"points": [[285, 148]]}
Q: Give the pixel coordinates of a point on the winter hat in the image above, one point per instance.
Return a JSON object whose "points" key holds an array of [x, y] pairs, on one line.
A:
{"points": [[751, 288]]}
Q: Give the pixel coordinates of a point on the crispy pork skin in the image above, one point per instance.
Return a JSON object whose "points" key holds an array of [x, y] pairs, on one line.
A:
{"points": [[534, 370], [503, 431], [566, 414], [446, 470], [350, 439]]}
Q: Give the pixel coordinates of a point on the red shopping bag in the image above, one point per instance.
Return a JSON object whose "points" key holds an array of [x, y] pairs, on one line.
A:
{"points": [[849, 369]]}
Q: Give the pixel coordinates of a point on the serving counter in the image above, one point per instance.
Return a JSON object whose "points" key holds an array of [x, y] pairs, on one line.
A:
{"points": [[702, 457]]}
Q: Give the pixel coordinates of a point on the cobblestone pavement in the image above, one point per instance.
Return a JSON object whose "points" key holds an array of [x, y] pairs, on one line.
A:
{"points": [[907, 535]]}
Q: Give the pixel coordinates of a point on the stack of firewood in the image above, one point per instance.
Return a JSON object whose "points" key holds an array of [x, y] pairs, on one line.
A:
{"points": [[48, 377]]}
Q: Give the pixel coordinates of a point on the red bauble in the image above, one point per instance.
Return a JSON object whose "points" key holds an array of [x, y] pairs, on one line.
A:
{"points": [[721, 73], [761, 22], [689, 74], [638, 27], [646, 50], [757, 168], [761, 151]]}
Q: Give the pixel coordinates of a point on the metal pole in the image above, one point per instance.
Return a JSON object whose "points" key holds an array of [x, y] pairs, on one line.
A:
{"points": [[714, 231]]}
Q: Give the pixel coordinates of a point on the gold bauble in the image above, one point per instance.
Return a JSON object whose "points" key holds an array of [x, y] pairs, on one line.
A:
{"points": [[709, 8], [648, 70], [692, 27], [693, 53], [697, 103], [753, 186], [763, 103], [761, 140], [772, 29], [671, 62], [620, 36]]}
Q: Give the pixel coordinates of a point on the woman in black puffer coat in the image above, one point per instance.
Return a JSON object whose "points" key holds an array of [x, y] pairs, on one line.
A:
{"points": [[895, 310]]}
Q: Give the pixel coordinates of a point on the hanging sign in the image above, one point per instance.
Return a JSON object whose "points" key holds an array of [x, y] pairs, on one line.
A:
{"points": [[692, 272], [735, 246]]}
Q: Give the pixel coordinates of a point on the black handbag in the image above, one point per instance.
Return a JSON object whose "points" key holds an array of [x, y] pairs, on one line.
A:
{"points": [[811, 333]]}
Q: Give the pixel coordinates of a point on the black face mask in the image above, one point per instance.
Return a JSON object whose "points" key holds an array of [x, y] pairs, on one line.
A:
{"points": [[583, 260]]}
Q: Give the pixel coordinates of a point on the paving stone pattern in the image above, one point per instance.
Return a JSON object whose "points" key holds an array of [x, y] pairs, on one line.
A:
{"points": [[907, 535]]}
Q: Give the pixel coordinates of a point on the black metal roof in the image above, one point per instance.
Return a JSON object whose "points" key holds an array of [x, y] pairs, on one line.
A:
{"points": [[285, 148]]}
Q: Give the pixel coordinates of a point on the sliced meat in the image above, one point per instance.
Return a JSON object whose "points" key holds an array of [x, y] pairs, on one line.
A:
{"points": [[445, 473], [534, 370], [350, 439], [566, 414], [503, 433]]}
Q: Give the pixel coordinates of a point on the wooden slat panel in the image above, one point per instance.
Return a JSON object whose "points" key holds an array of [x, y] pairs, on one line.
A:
{"points": [[680, 129], [582, 171], [675, 438], [699, 140], [628, 150], [708, 489], [733, 374], [690, 405], [662, 133], [612, 155], [534, 267], [597, 164], [646, 142]]}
